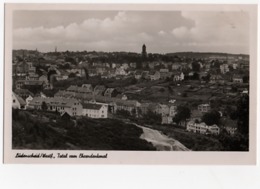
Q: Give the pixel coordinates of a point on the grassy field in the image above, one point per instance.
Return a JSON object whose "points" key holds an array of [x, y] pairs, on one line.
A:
{"points": [[30, 132]]}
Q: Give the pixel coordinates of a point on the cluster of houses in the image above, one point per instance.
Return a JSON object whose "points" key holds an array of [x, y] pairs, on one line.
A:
{"points": [[25, 76], [99, 101], [77, 101], [159, 74]]}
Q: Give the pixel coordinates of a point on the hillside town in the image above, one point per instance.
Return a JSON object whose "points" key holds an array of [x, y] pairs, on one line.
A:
{"points": [[197, 92]]}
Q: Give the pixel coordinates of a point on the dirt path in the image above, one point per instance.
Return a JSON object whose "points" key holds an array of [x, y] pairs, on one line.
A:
{"points": [[161, 141]]}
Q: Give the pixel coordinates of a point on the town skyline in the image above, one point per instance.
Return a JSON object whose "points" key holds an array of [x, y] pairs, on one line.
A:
{"points": [[199, 52], [115, 31]]}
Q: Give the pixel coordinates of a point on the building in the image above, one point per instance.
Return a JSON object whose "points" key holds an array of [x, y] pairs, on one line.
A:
{"points": [[229, 125], [99, 90], [94, 110], [161, 109], [133, 64], [224, 68], [144, 107], [172, 110], [63, 76], [167, 120], [144, 53], [17, 102], [217, 79], [72, 106], [29, 84], [176, 66], [235, 66], [24, 93], [154, 75], [237, 79], [111, 92], [178, 76], [28, 100], [122, 96], [24, 68], [85, 89], [204, 108], [164, 73], [128, 105], [88, 87], [32, 76], [45, 80], [202, 128], [125, 66], [120, 71], [138, 74], [231, 130]]}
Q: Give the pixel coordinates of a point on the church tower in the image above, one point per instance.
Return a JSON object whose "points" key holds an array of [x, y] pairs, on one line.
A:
{"points": [[144, 53]]}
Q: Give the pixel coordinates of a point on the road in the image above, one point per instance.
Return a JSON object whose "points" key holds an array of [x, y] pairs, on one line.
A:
{"points": [[160, 141]]}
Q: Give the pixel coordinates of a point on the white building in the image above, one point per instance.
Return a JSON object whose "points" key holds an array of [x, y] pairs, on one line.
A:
{"points": [[172, 110], [167, 120], [28, 100], [72, 106], [120, 71], [204, 108], [202, 128], [17, 102], [224, 68], [94, 110]]}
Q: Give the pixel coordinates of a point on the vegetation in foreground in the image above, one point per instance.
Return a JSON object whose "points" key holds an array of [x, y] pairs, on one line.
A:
{"points": [[43, 130]]}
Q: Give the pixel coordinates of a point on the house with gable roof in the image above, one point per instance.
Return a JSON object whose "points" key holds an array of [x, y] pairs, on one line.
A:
{"points": [[17, 102], [154, 75], [24, 93], [72, 106], [111, 92], [88, 87], [99, 89], [95, 110]]}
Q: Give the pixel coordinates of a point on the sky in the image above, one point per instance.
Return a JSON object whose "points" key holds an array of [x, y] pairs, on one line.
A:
{"points": [[161, 31]]}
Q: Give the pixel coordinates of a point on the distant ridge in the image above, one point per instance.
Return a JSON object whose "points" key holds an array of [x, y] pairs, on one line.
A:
{"points": [[188, 54], [203, 54]]}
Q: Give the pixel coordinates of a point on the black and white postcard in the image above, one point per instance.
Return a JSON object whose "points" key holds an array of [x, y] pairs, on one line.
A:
{"points": [[130, 84]]}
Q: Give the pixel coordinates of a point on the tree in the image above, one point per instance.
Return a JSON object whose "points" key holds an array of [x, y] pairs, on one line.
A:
{"points": [[206, 78], [183, 113], [243, 115], [72, 75], [44, 106], [71, 60], [152, 117], [123, 113], [211, 118], [195, 66], [50, 73], [246, 79], [86, 73], [184, 94]]}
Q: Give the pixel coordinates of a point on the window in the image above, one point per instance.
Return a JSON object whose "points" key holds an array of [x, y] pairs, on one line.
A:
{"points": [[13, 101]]}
